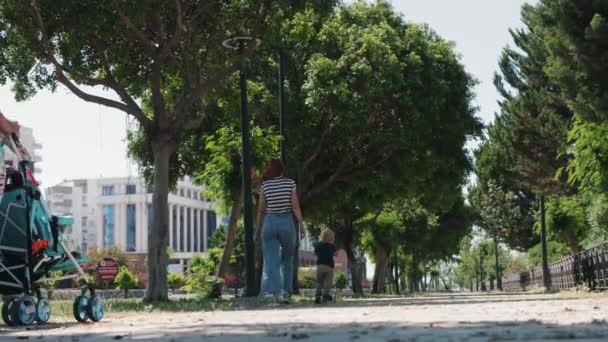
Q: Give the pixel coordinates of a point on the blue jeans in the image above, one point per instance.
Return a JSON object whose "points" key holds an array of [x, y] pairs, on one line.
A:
{"points": [[278, 247]]}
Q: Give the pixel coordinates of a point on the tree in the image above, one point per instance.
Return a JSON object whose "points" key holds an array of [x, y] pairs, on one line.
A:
{"points": [[158, 58], [222, 174], [380, 237], [578, 43], [597, 217], [362, 94], [221, 126], [496, 211], [367, 98], [567, 221], [534, 119]]}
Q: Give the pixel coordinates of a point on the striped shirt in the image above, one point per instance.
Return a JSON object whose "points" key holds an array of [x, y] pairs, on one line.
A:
{"points": [[277, 194]]}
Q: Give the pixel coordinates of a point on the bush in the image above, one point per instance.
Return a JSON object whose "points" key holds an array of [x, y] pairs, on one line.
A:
{"points": [[126, 279], [307, 278], [175, 281], [51, 285], [340, 281], [201, 278]]}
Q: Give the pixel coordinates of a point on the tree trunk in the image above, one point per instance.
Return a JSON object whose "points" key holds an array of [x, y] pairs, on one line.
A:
{"points": [[235, 213], [414, 277], [390, 280], [424, 279], [158, 238], [572, 241], [397, 289], [379, 285], [497, 265], [356, 271]]}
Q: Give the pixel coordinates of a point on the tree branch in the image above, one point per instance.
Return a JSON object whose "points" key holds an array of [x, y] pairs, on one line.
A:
{"points": [[330, 181], [147, 44], [203, 87], [317, 150], [179, 26], [113, 84], [62, 78]]}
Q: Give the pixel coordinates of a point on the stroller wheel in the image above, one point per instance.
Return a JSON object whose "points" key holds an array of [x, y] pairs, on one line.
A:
{"points": [[7, 314], [96, 308], [81, 304], [43, 311], [24, 310]]}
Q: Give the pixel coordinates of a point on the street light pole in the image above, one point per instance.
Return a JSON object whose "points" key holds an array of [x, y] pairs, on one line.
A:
{"points": [[252, 288]]}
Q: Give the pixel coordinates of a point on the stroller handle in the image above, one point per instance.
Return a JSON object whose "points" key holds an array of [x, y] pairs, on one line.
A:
{"points": [[19, 150]]}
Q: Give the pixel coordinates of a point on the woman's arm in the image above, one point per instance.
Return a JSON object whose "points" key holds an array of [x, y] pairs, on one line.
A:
{"points": [[261, 211], [295, 205], [7, 126]]}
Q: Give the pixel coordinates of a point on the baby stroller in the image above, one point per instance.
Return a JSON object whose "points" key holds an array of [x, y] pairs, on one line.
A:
{"points": [[31, 247]]}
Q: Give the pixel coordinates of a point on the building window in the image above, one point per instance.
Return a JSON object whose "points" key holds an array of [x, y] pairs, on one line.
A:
{"points": [[189, 194], [195, 229], [181, 192], [211, 223], [189, 232], [84, 222], [182, 233], [108, 225], [131, 243], [150, 189], [107, 190], [174, 229], [131, 189], [195, 195]]}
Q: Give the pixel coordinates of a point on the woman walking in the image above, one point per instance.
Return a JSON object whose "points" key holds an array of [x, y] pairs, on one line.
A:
{"points": [[278, 205]]}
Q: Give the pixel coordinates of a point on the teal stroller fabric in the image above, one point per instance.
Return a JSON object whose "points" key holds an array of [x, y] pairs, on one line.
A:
{"points": [[30, 240]]}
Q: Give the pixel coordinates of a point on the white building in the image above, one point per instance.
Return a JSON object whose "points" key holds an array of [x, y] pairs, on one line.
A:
{"points": [[118, 212], [77, 198], [26, 136]]}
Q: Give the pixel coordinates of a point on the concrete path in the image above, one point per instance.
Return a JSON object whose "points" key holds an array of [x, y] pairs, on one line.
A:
{"points": [[466, 317]]}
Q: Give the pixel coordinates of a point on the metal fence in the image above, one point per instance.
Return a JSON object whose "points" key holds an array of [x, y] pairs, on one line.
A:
{"points": [[589, 268]]}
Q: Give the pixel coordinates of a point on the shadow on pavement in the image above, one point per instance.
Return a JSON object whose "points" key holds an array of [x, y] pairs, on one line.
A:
{"points": [[377, 331]]}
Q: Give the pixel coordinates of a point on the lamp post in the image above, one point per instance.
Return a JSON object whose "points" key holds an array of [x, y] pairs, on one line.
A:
{"points": [[252, 289]]}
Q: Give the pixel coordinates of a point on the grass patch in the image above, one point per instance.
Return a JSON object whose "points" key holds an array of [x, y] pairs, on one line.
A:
{"points": [[63, 308]]}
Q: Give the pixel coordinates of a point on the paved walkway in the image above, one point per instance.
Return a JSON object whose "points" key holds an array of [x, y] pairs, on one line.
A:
{"points": [[465, 317]]}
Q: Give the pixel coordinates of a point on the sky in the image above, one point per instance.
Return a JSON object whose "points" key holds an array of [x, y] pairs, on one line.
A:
{"points": [[84, 140]]}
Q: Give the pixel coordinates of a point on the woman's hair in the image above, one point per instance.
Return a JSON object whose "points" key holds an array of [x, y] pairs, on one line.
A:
{"points": [[327, 235], [275, 169]]}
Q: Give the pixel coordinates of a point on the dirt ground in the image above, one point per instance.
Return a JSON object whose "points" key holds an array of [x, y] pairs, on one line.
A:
{"points": [[458, 317]]}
